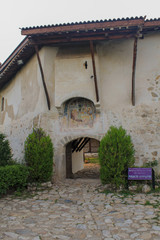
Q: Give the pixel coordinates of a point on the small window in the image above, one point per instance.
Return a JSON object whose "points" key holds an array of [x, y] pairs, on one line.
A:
{"points": [[2, 104]]}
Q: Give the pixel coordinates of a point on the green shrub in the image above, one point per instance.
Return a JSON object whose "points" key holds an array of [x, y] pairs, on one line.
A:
{"points": [[116, 154], [13, 177], [39, 156], [150, 164], [5, 151]]}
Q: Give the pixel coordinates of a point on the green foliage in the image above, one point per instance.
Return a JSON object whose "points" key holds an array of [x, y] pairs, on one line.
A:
{"points": [[116, 154], [150, 164], [13, 177], [39, 156], [5, 151], [13, 162], [92, 160]]}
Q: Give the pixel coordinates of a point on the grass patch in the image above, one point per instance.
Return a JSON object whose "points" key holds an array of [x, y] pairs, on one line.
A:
{"points": [[23, 194], [107, 191], [126, 193], [154, 205], [157, 190], [121, 194], [92, 160]]}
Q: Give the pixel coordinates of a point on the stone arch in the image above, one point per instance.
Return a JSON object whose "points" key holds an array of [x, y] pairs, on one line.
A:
{"points": [[67, 139], [61, 107], [74, 95], [60, 152], [77, 96]]}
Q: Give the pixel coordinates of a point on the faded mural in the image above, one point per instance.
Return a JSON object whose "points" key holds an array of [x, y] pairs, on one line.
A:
{"points": [[78, 112]]}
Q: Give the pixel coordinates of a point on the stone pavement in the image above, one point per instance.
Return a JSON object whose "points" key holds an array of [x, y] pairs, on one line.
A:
{"points": [[90, 170], [77, 210]]}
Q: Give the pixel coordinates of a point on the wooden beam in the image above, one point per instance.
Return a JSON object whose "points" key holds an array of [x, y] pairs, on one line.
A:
{"points": [[75, 144], [134, 69], [69, 173], [72, 39], [94, 70], [90, 148], [80, 144], [84, 143], [42, 75]]}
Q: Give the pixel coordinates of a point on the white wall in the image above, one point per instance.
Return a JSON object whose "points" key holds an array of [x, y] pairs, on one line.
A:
{"points": [[72, 79], [77, 161], [115, 61]]}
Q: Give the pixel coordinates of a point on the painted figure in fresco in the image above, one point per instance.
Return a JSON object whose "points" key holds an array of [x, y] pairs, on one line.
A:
{"points": [[75, 115], [79, 112]]}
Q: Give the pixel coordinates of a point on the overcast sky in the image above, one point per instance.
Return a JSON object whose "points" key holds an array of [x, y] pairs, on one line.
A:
{"points": [[15, 14]]}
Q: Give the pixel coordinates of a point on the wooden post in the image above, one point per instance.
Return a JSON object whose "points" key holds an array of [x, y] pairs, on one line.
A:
{"points": [[42, 75], [134, 70], [153, 179], [69, 173], [94, 70]]}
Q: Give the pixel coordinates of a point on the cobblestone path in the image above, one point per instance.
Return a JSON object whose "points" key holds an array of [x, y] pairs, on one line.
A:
{"points": [[77, 210], [90, 170]]}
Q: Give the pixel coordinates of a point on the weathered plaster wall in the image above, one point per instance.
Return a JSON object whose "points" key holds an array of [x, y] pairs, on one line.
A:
{"points": [[77, 161], [20, 98], [25, 102], [115, 60], [72, 78], [143, 120], [147, 72], [66, 77], [49, 62]]}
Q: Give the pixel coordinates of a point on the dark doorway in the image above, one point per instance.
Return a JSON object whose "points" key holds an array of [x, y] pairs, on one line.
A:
{"points": [[82, 158]]}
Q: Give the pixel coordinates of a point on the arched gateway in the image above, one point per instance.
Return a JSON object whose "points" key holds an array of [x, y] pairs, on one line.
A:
{"points": [[63, 154], [76, 152]]}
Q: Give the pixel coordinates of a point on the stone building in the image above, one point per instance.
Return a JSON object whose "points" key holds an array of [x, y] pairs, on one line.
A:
{"points": [[76, 80]]}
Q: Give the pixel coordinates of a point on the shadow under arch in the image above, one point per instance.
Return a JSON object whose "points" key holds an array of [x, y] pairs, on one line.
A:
{"points": [[76, 97], [75, 153]]}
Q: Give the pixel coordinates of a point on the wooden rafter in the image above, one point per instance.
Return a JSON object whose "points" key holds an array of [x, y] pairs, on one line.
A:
{"points": [[84, 143], [134, 70], [73, 38], [42, 75], [94, 71], [78, 145], [75, 144]]}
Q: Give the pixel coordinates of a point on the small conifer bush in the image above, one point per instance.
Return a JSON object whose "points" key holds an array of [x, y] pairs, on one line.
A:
{"points": [[5, 151], [116, 154], [39, 156]]}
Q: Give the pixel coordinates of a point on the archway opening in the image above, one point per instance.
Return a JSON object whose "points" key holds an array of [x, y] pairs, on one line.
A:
{"points": [[82, 158]]}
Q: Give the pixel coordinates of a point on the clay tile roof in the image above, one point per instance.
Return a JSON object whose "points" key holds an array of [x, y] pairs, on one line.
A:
{"points": [[82, 25], [71, 33]]}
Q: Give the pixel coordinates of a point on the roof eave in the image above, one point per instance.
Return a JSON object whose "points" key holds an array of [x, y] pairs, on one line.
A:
{"points": [[82, 26], [72, 33]]}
